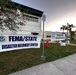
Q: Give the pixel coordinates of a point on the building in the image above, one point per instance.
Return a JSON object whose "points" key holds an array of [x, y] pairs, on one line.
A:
{"points": [[20, 27], [20, 19]]}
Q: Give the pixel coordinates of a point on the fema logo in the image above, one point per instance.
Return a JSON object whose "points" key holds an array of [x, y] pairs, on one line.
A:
{"points": [[2, 38]]}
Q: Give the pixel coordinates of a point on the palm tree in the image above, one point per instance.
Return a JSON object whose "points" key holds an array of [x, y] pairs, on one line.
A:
{"points": [[63, 28], [69, 28]]}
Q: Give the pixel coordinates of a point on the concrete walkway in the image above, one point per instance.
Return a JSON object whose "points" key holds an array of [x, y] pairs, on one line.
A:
{"points": [[64, 66]]}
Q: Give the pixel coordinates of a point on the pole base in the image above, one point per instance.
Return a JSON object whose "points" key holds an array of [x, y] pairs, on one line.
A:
{"points": [[43, 57]]}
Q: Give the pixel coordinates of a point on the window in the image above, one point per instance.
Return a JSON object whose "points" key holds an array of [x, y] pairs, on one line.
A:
{"points": [[31, 18], [34, 33], [48, 36]]}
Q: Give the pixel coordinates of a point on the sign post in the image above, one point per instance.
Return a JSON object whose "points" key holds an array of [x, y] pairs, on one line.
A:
{"points": [[43, 19]]}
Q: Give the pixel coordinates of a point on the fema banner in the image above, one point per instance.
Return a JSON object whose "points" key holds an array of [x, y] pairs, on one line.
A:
{"points": [[57, 37], [14, 42]]}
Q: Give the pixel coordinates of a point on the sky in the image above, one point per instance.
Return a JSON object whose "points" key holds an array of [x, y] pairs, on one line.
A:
{"points": [[58, 12]]}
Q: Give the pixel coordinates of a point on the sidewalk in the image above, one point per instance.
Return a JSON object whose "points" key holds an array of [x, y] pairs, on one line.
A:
{"points": [[64, 66]]}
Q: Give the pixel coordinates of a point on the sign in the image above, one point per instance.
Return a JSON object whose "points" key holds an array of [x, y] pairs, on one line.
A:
{"points": [[57, 37], [63, 44], [13, 42], [44, 17]]}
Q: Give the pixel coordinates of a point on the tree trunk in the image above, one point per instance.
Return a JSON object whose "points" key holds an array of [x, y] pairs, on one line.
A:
{"points": [[70, 33]]}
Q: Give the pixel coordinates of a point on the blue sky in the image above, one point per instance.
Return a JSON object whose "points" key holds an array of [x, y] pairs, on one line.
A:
{"points": [[58, 12]]}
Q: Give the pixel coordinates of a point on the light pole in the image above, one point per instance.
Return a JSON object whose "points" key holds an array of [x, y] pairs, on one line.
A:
{"points": [[67, 40], [67, 36], [43, 19]]}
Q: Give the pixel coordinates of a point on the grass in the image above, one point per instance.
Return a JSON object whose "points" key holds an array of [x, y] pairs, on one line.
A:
{"points": [[73, 41], [75, 36], [13, 61]]}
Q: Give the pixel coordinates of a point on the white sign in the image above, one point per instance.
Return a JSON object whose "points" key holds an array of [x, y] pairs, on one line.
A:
{"points": [[13, 42], [57, 37], [44, 17], [63, 44]]}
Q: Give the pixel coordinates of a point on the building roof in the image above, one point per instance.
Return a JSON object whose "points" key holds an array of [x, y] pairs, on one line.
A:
{"points": [[24, 8]]}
